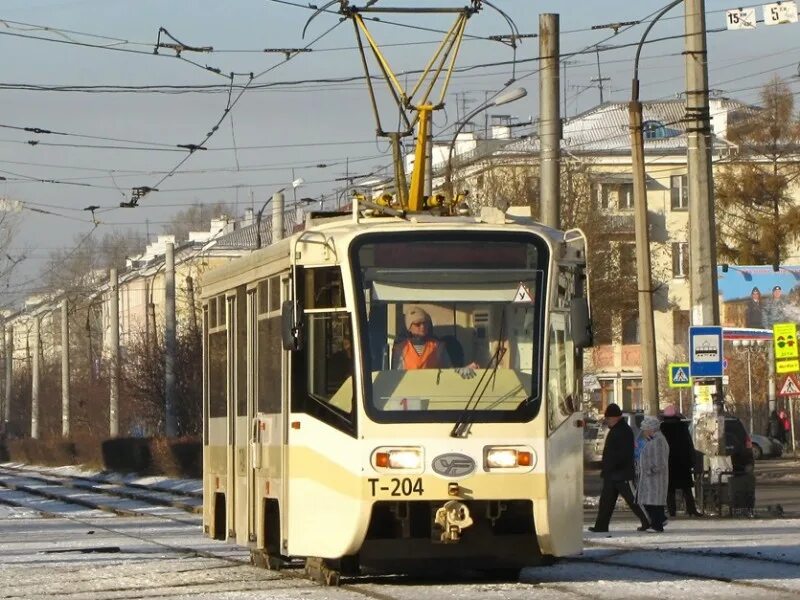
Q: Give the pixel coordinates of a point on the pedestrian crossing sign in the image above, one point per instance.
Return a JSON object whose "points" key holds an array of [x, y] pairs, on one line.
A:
{"points": [[679, 375], [790, 387]]}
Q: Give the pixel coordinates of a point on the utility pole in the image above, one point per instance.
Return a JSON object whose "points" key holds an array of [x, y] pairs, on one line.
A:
{"points": [[9, 333], [549, 122], [65, 368], [35, 380], [702, 233], [600, 79], [113, 317], [171, 421]]}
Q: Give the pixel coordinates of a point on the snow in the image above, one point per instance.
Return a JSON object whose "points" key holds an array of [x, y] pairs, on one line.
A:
{"points": [[84, 553]]}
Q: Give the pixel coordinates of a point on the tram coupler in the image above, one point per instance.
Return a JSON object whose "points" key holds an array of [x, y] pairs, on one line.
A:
{"points": [[452, 518]]}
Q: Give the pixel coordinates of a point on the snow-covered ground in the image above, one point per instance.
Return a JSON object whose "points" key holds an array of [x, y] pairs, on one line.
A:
{"points": [[82, 553]]}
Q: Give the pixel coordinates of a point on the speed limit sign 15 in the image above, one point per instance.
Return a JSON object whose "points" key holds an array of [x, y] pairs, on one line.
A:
{"points": [[741, 18]]}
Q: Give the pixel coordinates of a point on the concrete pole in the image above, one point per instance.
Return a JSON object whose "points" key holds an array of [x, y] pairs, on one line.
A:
{"points": [[549, 122], [171, 422], [113, 318], [9, 333], [647, 334], [277, 216], [35, 380], [65, 368], [702, 234]]}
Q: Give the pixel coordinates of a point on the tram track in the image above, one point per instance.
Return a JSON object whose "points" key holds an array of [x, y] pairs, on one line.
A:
{"points": [[635, 558]]}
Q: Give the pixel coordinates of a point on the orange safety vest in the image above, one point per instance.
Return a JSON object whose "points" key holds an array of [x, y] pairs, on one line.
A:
{"points": [[427, 360]]}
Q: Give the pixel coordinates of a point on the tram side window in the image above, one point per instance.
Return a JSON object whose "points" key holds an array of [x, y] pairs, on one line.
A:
{"points": [[217, 361], [270, 349], [240, 306]]}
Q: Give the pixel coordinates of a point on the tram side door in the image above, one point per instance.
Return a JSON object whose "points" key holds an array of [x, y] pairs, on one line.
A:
{"points": [[239, 471]]}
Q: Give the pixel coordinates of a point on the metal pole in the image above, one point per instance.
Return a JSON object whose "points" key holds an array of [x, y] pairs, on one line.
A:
{"points": [[791, 419], [65, 368], [113, 317], [771, 376], [171, 419], [35, 381], [428, 189], [680, 401], [750, 390], [702, 234], [9, 375], [549, 121]]}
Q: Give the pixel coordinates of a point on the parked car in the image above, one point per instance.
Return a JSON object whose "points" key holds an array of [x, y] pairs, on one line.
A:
{"points": [[593, 440], [765, 447], [738, 444]]}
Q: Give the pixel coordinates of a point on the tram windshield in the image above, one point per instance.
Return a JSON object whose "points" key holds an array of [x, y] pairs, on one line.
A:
{"points": [[451, 322]]}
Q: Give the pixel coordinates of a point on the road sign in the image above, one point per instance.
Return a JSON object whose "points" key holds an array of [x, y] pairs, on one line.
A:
{"points": [[790, 386], [784, 336], [741, 18], [787, 365], [523, 294], [679, 375], [705, 352], [780, 12]]}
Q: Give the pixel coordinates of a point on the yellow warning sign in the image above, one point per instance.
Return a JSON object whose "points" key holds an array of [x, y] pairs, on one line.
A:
{"points": [[784, 336], [787, 365]]}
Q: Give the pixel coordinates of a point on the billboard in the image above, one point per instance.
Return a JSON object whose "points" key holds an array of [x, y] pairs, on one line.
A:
{"points": [[758, 296]]}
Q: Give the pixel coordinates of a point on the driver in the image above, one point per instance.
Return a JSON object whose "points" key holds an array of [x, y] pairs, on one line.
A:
{"points": [[420, 350]]}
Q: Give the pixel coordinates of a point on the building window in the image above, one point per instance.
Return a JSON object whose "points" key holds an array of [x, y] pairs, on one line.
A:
{"points": [[630, 327], [680, 327], [627, 259], [601, 195], [625, 196], [607, 395], [632, 394], [678, 193], [680, 259]]}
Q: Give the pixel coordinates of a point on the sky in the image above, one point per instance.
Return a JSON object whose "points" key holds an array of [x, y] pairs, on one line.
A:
{"points": [[280, 129]]}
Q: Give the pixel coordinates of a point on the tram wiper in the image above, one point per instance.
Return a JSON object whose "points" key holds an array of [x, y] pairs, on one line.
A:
{"points": [[463, 424]]}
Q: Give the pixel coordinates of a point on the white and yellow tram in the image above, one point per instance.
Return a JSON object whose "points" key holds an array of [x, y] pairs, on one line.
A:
{"points": [[315, 446]]}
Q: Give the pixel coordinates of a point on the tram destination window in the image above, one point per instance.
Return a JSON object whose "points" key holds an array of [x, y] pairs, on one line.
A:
{"points": [[451, 323]]}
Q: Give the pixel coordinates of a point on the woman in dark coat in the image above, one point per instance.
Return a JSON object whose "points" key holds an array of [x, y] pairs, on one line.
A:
{"points": [[681, 460]]}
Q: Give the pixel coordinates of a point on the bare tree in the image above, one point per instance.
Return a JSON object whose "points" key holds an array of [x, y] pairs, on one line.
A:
{"points": [[757, 215], [195, 218]]}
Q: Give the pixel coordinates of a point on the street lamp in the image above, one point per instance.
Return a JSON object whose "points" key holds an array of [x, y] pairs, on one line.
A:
{"points": [[643, 274], [504, 98]]}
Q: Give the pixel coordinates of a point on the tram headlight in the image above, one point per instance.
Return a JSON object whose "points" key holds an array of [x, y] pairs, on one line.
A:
{"points": [[507, 458], [398, 458]]}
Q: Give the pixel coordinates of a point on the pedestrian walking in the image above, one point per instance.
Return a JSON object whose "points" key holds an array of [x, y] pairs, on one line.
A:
{"points": [[681, 460], [617, 471], [775, 428], [653, 474]]}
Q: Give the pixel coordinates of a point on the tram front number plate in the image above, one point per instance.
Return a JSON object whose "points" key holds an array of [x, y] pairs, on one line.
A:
{"points": [[397, 486]]}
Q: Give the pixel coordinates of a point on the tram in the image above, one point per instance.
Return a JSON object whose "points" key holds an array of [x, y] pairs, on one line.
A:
{"points": [[317, 446]]}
